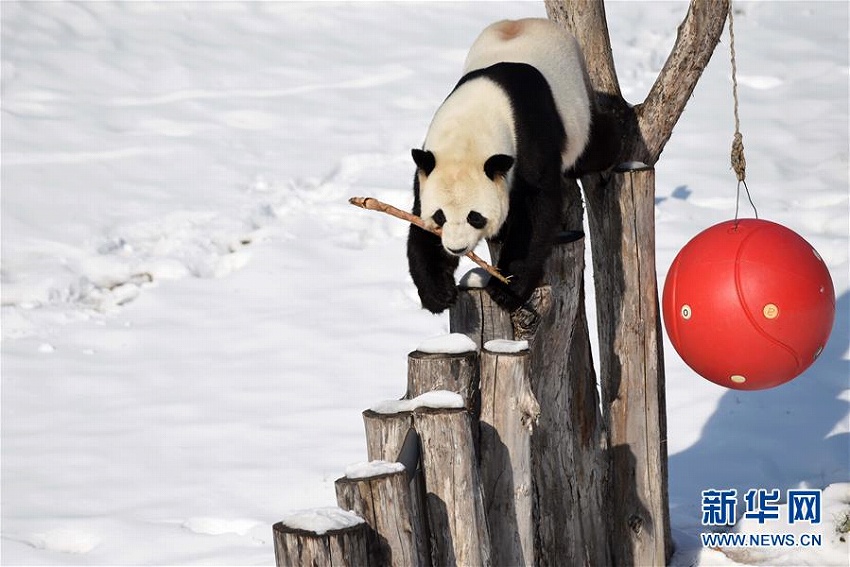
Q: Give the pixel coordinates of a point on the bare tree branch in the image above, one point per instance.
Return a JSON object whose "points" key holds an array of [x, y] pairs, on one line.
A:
{"points": [[698, 35], [647, 127]]}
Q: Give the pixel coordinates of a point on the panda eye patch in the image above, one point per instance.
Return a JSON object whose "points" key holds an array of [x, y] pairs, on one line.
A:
{"points": [[476, 219], [439, 217]]}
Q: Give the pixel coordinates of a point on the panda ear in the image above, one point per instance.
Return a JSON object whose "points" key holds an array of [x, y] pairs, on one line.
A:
{"points": [[498, 164], [424, 160]]}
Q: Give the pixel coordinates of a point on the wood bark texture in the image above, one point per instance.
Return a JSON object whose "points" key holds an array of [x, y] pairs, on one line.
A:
{"points": [[568, 446], [454, 503], [350, 547], [385, 435], [476, 315], [621, 212], [386, 503], [632, 365], [509, 413], [457, 373]]}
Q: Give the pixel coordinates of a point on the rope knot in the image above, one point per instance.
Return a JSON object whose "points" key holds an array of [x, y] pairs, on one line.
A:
{"points": [[739, 162]]}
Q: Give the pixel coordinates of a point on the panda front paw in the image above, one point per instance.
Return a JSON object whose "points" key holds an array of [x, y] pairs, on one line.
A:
{"points": [[504, 295], [437, 299]]}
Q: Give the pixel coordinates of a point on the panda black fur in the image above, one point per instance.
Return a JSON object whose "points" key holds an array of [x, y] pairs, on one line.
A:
{"points": [[494, 156]]}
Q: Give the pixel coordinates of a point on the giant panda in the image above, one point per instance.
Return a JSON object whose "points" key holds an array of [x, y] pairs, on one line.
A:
{"points": [[493, 158]]}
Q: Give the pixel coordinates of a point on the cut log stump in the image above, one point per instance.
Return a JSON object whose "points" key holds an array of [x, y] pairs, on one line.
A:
{"points": [[509, 412], [351, 545], [427, 372], [385, 502], [454, 502]]}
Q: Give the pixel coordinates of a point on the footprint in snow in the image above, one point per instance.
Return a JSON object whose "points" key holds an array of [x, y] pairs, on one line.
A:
{"points": [[64, 540], [219, 526]]}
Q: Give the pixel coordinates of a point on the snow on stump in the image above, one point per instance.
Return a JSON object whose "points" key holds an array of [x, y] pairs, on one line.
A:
{"points": [[379, 491], [448, 362], [448, 490], [388, 425], [323, 536]]}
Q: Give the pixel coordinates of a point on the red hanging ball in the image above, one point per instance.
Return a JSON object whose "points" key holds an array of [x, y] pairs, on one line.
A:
{"points": [[749, 304]]}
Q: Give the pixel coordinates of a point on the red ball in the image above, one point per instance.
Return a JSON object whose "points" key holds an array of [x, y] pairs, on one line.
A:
{"points": [[748, 304]]}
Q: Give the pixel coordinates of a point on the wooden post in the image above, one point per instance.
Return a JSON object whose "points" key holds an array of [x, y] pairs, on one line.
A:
{"points": [[480, 318], [632, 362], [386, 504], [509, 413], [350, 546], [455, 507], [457, 373], [385, 436]]}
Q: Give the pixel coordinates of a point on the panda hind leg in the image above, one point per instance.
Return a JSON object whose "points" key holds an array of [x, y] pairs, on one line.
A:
{"points": [[603, 148]]}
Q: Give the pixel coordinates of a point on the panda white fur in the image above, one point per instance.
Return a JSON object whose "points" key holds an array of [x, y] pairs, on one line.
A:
{"points": [[493, 159]]}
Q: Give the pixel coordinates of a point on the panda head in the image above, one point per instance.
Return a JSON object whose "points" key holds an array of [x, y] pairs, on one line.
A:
{"points": [[467, 200]]}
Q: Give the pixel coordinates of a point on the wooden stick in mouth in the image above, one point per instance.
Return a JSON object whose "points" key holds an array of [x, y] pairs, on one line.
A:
{"points": [[373, 204]]}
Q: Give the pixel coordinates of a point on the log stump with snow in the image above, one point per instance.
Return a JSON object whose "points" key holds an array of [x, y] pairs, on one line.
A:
{"points": [[379, 491], [481, 318], [324, 536], [446, 493], [449, 363]]}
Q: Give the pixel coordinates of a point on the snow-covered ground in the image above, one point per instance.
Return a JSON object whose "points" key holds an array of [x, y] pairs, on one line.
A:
{"points": [[193, 317]]}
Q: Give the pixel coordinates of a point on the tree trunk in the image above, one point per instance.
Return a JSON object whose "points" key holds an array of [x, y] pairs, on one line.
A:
{"points": [[621, 213], [631, 361]]}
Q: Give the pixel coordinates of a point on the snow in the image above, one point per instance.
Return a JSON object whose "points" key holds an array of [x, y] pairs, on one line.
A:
{"points": [[453, 343], [218, 526], [836, 499], [194, 317], [322, 520], [834, 551], [476, 278], [438, 399], [64, 540], [504, 346], [372, 469]]}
